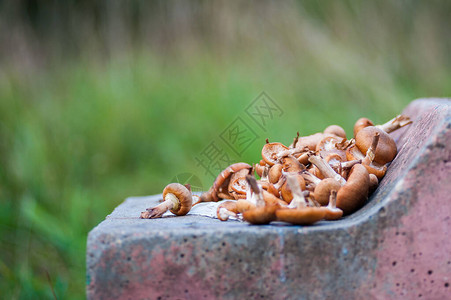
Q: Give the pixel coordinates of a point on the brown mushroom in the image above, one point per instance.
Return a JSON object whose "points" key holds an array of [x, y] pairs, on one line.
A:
{"points": [[227, 209], [332, 212], [353, 153], [270, 151], [177, 199], [274, 173], [262, 213], [323, 189], [335, 130], [298, 212], [354, 193], [326, 170], [221, 183], [362, 123], [386, 147]]}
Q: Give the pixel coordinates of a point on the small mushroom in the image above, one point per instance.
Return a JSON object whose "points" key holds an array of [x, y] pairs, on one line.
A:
{"points": [[362, 123], [332, 212], [274, 173], [227, 209], [335, 130], [324, 188], [270, 151], [326, 170], [177, 199], [262, 213], [354, 193], [291, 164], [386, 147], [286, 192], [221, 183], [298, 212]]}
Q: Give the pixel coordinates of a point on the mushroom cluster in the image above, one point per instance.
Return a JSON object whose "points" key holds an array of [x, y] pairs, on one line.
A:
{"points": [[318, 177]]}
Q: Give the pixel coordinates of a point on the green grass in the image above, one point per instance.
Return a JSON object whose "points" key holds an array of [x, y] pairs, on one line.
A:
{"points": [[77, 138]]}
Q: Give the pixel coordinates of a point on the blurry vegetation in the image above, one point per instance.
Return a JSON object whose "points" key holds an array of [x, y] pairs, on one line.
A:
{"points": [[104, 100]]}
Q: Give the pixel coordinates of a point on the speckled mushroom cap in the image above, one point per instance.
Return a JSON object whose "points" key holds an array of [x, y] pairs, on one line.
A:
{"points": [[183, 195], [354, 193], [386, 148]]}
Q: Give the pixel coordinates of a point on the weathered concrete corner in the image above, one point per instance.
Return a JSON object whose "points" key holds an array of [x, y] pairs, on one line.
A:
{"points": [[396, 247]]}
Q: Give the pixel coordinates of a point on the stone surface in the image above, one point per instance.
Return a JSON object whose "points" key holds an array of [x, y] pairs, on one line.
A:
{"points": [[395, 247]]}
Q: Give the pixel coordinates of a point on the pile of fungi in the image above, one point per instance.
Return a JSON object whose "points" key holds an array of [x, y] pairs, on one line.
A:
{"points": [[323, 176]]}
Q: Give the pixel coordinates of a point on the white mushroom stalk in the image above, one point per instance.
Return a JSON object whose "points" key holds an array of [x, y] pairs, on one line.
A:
{"points": [[257, 191], [395, 123], [298, 197], [371, 152], [333, 201], [326, 169]]}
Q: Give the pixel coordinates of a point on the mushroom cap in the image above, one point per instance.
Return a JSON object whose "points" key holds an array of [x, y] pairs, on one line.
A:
{"points": [[261, 215], [228, 205], [354, 193], [183, 195], [386, 148], [353, 153], [285, 190], [332, 214], [238, 181], [274, 173], [301, 216], [291, 164], [270, 150], [335, 130], [362, 123], [221, 183], [243, 205], [309, 141], [374, 183], [269, 187], [322, 190]]}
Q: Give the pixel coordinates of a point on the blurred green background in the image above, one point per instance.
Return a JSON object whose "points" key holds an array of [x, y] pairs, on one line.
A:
{"points": [[104, 100]]}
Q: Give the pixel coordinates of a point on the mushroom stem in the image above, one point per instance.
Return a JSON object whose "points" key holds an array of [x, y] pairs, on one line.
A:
{"points": [[298, 197], [170, 201], [310, 177], [224, 214], [395, 123], [332, 200], [326, 169], [256, 189], [371, 152], [348, 164], [291, 151], [281, 181]]}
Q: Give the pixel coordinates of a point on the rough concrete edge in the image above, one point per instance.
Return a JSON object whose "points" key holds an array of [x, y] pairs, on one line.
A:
{"points": [[352, 221]]}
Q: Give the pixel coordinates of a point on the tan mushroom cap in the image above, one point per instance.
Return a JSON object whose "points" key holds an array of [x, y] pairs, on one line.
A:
{"points": [[221, 183], [243, 205], [310, 141], [335, 130], [354, 193], [386, 148], [270, 150], [301, 216], [274, 173], [291, 164], [323, 189], [362, 123], [183, 195], [353, 153], [261, 215]]}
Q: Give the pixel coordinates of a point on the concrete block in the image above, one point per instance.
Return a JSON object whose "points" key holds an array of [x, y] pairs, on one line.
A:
{"points": [[396, 247]]}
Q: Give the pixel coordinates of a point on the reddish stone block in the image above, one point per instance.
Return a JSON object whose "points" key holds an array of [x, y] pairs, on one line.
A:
{"points": [[395, 247]]}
